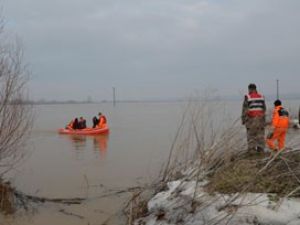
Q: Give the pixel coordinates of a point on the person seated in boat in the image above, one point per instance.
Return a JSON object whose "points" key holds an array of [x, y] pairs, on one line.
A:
{"points": [[75, 124], [82, 123], [102, 121], [70, 125], [95, 121]]}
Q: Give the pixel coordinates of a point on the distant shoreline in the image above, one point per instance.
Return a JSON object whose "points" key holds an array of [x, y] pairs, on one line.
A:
{"points": [[73, 102]]}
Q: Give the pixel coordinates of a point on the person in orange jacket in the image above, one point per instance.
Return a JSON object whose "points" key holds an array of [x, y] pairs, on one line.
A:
{"points": [[73, 125], [102, 121], [280, 124], [70, 125]]}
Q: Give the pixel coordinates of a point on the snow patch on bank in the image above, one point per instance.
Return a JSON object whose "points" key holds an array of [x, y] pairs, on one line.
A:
{"points": [[174, 206]]}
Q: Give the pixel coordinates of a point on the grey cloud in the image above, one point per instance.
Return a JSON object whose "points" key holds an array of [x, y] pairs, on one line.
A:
{"points": [[169, 46]]}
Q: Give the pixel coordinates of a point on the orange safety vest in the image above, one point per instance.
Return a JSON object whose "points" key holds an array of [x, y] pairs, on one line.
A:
{"points": [[102, 121], [280, 117], [70, 125], [256, 104]]}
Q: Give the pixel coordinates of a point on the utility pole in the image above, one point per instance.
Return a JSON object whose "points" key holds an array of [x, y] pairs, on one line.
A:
{"points": [[299, 116], [114, 96], [277, 89]]}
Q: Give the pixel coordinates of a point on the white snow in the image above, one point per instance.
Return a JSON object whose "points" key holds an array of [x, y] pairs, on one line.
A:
{"points": [[247, 209]]}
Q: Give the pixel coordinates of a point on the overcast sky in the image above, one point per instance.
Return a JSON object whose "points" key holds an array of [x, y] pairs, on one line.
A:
{"points": [[156, 48]]}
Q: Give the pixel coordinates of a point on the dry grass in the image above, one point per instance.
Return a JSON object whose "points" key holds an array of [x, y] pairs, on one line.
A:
{"points": [[207, 138], [7, 205], [212, 146], [137, 205], [280, 178]]}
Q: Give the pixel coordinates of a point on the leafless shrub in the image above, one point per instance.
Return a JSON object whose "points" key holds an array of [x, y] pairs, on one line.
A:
{"points": [[207, 137], [15, 114]]}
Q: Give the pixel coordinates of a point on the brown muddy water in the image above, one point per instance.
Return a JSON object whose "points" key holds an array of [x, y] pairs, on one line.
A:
{"points": [[63, 166]]}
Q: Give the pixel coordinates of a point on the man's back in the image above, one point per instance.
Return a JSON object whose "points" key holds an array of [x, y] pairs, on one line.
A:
{"points": [[254, 108], [253, 117]]}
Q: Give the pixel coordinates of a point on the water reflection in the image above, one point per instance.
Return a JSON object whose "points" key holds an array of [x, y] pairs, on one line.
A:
{"points": [[82, 142], [101, 144], [78, 141]]}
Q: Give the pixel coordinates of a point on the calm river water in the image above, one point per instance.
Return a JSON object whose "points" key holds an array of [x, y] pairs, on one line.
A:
{"points": [[63, 166]]}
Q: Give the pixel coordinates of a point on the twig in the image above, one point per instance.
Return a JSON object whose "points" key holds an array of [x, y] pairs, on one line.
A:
{"points": [[71, 214]]}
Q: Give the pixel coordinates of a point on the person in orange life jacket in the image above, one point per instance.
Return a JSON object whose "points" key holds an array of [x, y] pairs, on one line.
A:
{"points": [[102, 121], [70, 125], [280, 124], [74, 124], [253, 117]]}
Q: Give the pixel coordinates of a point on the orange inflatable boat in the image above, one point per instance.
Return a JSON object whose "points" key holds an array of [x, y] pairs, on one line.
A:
{"points": [[86, 131]]}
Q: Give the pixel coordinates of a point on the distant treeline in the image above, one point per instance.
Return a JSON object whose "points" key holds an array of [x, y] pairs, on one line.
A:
{"points": [[195, 98], [56, 102]]}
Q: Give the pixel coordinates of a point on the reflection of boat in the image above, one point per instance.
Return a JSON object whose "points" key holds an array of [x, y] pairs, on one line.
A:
{"points": [[79, 141], [86, 131], [100, 142], [82, 142], [77, 138]]}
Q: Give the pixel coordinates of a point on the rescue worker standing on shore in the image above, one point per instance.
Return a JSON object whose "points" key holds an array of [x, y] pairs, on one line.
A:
{"points": [[280, 124], [253, 117]]}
